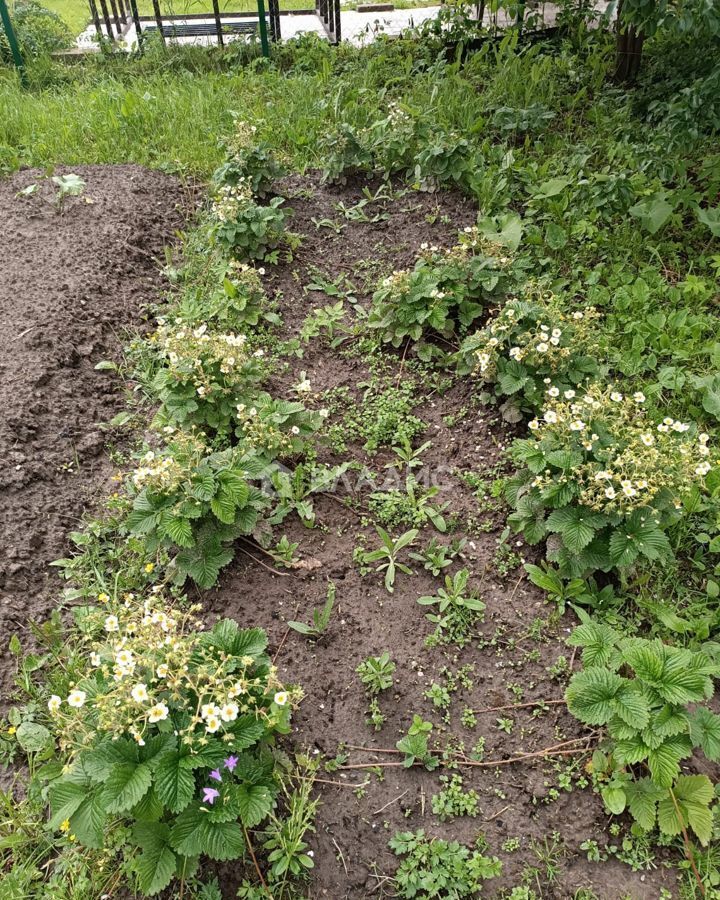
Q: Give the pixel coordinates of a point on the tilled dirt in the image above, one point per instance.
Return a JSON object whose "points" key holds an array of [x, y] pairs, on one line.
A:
{"points": [[523, 804], [72, 284], [74, 280]]}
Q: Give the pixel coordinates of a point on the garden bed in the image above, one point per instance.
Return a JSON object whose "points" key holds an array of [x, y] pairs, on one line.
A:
{"points": [[74, 282], [534, 808], [534, 816]]}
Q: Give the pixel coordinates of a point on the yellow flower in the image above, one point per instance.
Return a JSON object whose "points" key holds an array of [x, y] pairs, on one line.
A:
{"points": [[149, 567], [12, 729], [65, 825], [103, 598]]}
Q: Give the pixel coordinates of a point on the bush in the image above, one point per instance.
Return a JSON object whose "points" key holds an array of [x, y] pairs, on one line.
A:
{"points": [[532, 342], [603, 480], [39, 31], [248, 161], [243, 229], [442, 296], [203, 376], [647, 713], [187, 498], [167, 736]]}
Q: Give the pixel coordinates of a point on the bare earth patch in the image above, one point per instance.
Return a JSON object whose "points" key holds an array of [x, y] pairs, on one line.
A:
{"points": [[71, 286]]}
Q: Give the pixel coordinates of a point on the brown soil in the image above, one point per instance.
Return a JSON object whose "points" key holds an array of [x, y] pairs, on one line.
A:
{"points": [[516, 801], [72, 283]]}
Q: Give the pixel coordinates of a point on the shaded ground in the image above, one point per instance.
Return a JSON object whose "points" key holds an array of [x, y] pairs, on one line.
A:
{"points": [[536, 806], [72, 283]]}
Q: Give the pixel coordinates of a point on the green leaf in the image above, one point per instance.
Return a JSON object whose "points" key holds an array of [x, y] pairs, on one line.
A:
{"points": [[157, 863], [688, 805], [615, 799], [88, 820], [126, 786], [632, 706], [179, 530], [223, 507], [664, 762], [710, 217], [643, 796], [255, 802], [576, 525], [65, 798], [705, 732], [654, 212], [194, 834], [555, 236], [174, 781], [590, 694], [598, 642], [33, 737]]}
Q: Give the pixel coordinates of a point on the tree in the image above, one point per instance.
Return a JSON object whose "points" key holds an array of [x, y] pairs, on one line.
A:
{"points": [[641, 19]]}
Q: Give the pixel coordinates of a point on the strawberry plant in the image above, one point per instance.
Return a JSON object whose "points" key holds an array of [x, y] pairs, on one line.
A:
{"points": [[190, 500], [532, 342], [167, 734], [442, 295], [603, 482], [650, 698]]}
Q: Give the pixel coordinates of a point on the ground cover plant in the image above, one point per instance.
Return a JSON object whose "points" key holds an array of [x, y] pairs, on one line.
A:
{"points": [[504, 412]]}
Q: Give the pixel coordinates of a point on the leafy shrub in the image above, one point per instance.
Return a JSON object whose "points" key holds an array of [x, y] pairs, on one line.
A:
{"points": [[248, 161], [343, 154], [166, 737], [603, 480], [241, 301], [641, 691], [39, 31], [434, 868], [204, 375], [275, 427], [405, 142], [442, 296], [531, 341], [188, 498], [243, 229]]}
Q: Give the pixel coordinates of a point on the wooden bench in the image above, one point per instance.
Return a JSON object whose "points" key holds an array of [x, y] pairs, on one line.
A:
{"points": [[202, 29]]}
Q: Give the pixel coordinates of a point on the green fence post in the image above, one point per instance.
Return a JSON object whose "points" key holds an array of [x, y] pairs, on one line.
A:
{"points": [[262, 25], [12, 40]]}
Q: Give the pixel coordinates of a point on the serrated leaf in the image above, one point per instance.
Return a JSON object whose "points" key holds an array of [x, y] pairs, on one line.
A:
{"points": [[643, 797], [126, 785], [632, 706], [194, 834], [576, 526], [65, 797], [174, 781], [664, 762], [156, 864], [598, 642], [590, 694], [179, 530], [255, 802], [705, 732], [688, 805], [88, 820]]}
